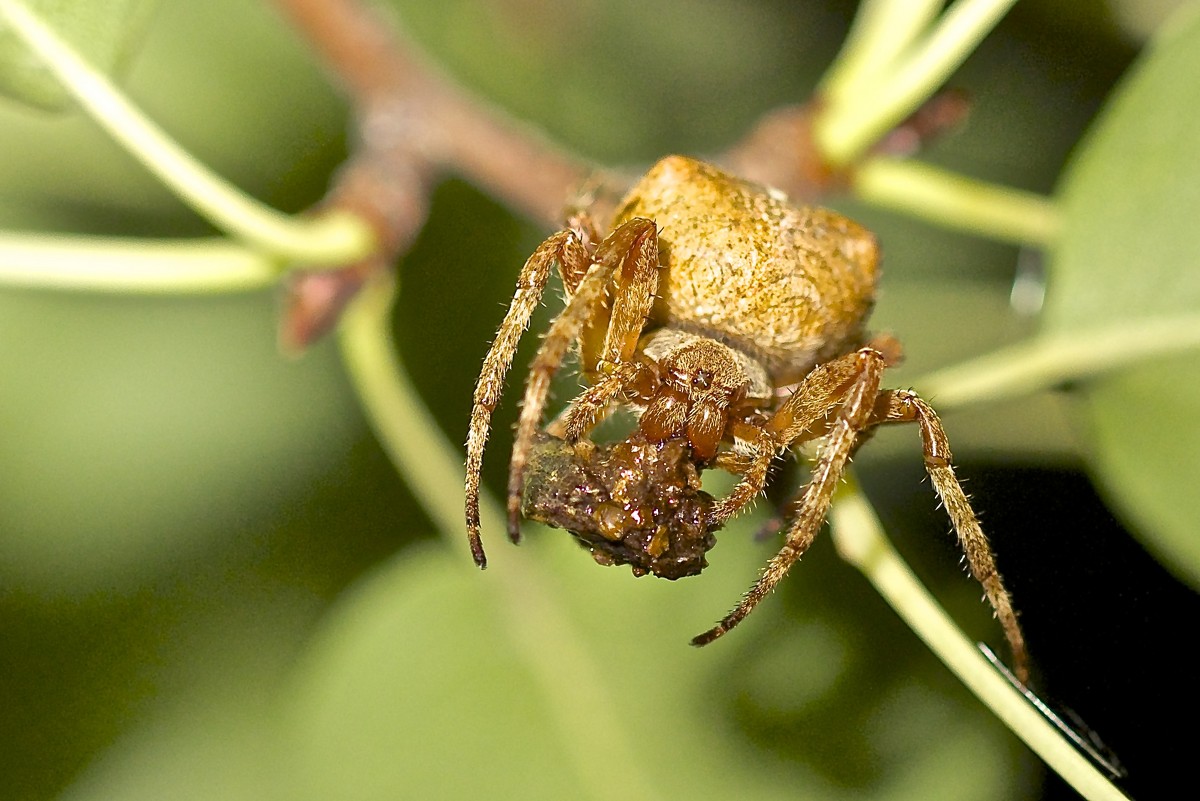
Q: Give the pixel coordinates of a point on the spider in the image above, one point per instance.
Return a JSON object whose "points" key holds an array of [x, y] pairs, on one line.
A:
{"points": [[730, 322]]}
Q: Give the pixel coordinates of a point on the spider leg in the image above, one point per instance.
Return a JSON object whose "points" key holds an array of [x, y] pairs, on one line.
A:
{"points": [[630, 250], [565, 249], [805, 425], [610, 335], [801, 418], [557, 427], [751, 458], [636, 283], [854, 409], [902, 406], [587, 410], [573, 272]]}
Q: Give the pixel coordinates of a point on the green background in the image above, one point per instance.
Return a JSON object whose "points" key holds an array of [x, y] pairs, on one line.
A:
{"points": [[214, 585]]}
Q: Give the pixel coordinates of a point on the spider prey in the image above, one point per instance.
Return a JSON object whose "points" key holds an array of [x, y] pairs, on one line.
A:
{"points": [[731, 323]]}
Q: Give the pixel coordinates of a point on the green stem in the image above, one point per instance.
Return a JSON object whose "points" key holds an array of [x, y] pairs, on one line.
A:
{"points": [[109, 264], [882, 30], [332, 239], [579, 695], [845, 131], [1049, 361], [404, 426], [861, 541], [957, 201]]}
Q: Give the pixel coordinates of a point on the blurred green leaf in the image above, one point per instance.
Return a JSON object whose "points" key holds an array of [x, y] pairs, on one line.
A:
{"points": [[219, 739], [1131, 250], [139, 432], [103, 31], [421, 685], [220, 750]]}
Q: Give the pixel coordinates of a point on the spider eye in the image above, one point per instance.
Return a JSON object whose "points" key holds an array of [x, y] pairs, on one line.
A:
{"points": [[702, 379], [681, 378]]}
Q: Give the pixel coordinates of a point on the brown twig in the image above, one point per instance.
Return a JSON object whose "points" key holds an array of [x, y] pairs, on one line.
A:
{"points": [[780, 150], [407, 109], [412, 124]]}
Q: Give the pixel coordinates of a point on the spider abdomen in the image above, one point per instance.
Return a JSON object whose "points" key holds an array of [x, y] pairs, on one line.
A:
{"points": [[790, 285]]}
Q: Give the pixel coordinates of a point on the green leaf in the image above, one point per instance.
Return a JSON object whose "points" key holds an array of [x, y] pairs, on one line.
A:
{"points": [[149, 431], [209, 731], [1131, 251], [571, 681], [103, 31]]}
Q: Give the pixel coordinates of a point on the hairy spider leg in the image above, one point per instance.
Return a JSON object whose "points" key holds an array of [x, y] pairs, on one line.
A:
{"points": [[631, 253], [855, 405], [843, 382], [802, 417], [591, 406], [903, 406], [565, 249], [610, 337], [611, 332]]}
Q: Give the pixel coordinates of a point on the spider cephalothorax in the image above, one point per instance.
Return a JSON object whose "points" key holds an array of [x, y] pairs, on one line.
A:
{"points": [[731, 323], [682, 385]]}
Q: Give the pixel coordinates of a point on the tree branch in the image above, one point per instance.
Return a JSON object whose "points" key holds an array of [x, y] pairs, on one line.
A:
{"points": [[407, 110]]}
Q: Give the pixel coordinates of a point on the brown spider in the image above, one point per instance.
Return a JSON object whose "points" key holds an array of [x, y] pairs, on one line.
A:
{"points": [[730, 321]]}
